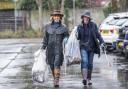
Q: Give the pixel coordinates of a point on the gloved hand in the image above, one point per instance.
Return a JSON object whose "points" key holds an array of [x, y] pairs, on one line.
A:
{"points": [[103, 47], [43, 47]]}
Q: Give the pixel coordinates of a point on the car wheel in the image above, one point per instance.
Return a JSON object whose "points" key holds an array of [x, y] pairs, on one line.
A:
{"points": [[110, 49]]}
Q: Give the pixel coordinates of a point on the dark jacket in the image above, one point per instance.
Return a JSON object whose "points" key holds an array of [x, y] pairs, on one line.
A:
{"points": [[89, 37], [52, 41]]}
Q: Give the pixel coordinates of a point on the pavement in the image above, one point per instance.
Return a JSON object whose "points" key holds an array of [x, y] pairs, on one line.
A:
{"points": [[16, 61]]}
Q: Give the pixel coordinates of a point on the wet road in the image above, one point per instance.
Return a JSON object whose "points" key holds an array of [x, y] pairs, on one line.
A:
{"points": [[16, 58]]}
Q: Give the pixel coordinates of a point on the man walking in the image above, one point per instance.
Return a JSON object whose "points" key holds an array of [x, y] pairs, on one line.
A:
{"points": [[87, 33], [54, 34]]}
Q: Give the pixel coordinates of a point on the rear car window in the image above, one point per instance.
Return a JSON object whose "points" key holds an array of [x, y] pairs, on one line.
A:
{"points": [[113, 22], [126, 23], [121, 22], [109, 18]]}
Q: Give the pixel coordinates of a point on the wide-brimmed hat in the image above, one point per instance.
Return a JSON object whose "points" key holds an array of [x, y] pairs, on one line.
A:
{"points": [[57, 12], [86, 14]]}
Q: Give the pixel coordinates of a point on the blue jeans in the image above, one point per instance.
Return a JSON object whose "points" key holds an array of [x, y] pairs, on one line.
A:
{"points": [[86, 59]]}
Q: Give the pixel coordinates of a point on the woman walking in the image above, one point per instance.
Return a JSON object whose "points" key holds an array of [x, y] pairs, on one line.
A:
{"points": [[87, 33], [54, 34]]}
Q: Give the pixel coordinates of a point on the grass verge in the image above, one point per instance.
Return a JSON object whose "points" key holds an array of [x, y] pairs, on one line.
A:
{"points": [[30, 33]]}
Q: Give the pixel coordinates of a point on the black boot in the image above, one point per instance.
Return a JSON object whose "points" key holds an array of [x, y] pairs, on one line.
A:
{"points": [[84, 82], [89, 76], [84, 75]]}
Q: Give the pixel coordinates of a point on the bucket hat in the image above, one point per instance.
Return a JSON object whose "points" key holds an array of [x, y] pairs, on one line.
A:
{"points": [[56, 12], [86, 14]]}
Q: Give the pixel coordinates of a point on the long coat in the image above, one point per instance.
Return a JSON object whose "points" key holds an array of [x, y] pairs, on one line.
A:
{"points": [[52, 41], [89, 37]]}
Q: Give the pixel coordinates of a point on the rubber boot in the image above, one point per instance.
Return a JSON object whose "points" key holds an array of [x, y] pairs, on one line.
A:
{"points": [[57, 76], [52, 70], [89, 76], [53, 74], [84, 75]]}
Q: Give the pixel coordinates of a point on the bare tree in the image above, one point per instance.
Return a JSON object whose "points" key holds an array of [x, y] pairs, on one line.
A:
{"points": [[122, 5], [39, 3], [62, 6], [50, 5], [55, 4], [114, 5]]}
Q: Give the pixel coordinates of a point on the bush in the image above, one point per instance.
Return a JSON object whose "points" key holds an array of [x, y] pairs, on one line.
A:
{"points": [[29, 33], [107, 10]]}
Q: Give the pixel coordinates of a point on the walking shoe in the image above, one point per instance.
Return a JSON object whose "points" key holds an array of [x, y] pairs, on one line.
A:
{"points": [[89, 82], [84, 82], [56, 82], [56, 86]]}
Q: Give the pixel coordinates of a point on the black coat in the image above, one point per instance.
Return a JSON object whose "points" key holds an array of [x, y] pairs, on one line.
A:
{"points": [[89, 36], [52, 41]]}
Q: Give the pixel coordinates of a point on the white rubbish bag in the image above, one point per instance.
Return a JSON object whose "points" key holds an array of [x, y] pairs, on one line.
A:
{"points": [[40, 68], [72, 49]]}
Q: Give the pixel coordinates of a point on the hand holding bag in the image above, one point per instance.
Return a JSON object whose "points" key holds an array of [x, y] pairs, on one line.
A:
{"points": [[72, 49], [40, 68]]}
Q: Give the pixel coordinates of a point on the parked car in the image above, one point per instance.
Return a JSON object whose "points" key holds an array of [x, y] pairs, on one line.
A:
{"points": [[109, 33], [109, 28], [122, 31], [122, 41], [126, 44]]}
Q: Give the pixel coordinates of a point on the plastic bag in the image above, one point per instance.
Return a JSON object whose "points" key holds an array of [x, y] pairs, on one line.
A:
{"points": [[72, 49], [40, 68]]}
